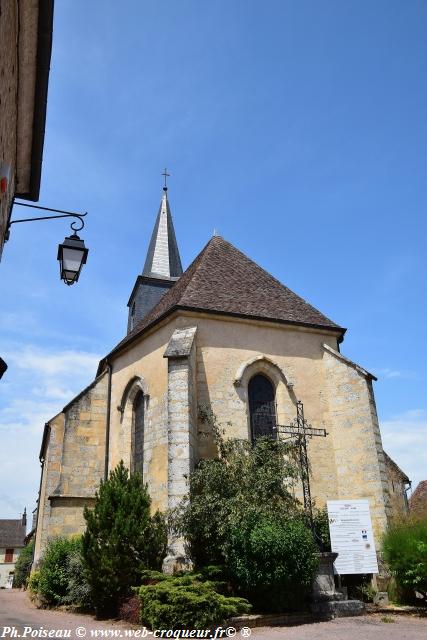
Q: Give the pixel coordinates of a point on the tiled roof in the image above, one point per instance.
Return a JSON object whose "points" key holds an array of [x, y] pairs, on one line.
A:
{"points": [[391, 463], [222, 280], [418, 500], [12, 533]]}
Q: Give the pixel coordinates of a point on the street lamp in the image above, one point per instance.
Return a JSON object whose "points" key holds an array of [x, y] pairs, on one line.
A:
{"points": [[72, 255]]}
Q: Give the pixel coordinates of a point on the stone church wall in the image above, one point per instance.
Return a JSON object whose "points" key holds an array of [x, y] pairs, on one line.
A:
{"points": [[50, 479], [291, 358], [145, 365], [303, 365], [74, 464], [397, 486], [353, 422]]}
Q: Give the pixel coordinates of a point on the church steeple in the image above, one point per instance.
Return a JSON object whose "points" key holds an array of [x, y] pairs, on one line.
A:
{"points": [[162, 266], [163, 258]]}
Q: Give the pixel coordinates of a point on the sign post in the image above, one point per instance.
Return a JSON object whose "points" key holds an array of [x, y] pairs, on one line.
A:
{"points": [[352, 537]]}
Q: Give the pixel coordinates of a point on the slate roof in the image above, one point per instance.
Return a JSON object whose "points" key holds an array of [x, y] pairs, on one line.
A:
{"points": [[418, 500], [12, 534], [222, 280], [163, 259]]}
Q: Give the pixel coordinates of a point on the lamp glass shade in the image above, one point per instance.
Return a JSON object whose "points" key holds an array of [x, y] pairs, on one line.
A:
{"points": [[72, 255]]}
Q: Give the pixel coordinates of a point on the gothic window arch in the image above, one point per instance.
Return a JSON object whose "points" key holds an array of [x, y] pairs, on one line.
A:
{"points": [[262, 406], [134, 421], [137, 445]]}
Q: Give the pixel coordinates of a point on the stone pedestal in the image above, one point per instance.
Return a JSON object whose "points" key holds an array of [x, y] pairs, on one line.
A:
{"points": [[324, 582], [326, 600]]}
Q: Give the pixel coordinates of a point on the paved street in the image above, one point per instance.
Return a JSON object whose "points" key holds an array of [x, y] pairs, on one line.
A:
{"points": [[17, 612]]}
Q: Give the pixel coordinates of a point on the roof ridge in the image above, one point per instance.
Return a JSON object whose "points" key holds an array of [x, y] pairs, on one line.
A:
{"points": [[224, 280]]}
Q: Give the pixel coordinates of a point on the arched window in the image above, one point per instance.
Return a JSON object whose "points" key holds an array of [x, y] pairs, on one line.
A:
{"points": [[262, 407], [138, 433]]}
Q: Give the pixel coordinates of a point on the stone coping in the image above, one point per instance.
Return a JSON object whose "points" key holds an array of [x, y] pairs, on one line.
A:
{"points": [[276, 619], [397, 609]]}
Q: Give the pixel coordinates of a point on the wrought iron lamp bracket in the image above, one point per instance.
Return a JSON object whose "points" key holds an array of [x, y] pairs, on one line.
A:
{"points": [[64, 214]]}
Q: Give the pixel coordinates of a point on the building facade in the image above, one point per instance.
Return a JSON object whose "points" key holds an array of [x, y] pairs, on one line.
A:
{"points": [[224, 336], [12, 540], [26, 43]]}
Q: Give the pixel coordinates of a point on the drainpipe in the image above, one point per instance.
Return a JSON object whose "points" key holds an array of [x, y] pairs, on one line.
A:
{"points": [[46, 435], [107, 421]]}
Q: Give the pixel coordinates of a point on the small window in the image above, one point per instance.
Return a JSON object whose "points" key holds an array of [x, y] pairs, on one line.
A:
{"points": [[262, 407], [8, 557]]}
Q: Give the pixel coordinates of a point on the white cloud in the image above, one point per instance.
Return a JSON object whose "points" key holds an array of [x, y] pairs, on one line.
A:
{"points": [[36, 386], [389, 373], [404, 439], [53, 363]]}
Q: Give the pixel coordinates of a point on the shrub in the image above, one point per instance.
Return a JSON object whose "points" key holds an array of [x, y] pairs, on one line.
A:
{"points": [[273, 560], [366, 592], [177, 602], [321, 528], [405, 551], [33, 581], [61, 578], [78, 589], [245, 475], [129, 609], [23, 565], [241, 514], [121, 539]]}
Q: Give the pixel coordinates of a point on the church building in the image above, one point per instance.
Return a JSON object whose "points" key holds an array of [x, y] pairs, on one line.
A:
{"points": [[227, 336]]}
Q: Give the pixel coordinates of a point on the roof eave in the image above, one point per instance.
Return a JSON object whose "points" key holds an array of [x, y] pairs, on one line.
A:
{"points": [[335, 329], [44, 52]]}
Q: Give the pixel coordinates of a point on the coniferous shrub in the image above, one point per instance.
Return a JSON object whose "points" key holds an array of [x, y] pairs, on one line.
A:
{"points": [[121, 539], [186, 602], [405, 552], [23, 565]]}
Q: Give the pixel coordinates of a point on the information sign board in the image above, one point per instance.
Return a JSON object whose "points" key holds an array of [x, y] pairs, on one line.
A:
{"points": [[352, 538]]}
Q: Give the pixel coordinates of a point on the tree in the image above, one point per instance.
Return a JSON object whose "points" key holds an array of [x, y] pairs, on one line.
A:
{"points": [[121, 539], [23, 565]]}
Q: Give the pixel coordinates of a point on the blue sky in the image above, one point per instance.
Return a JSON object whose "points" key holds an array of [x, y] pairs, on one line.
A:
{"points": [[296, 129]]}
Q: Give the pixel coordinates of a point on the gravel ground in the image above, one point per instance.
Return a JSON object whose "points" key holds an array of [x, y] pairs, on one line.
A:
{"points": [[17, 613]]}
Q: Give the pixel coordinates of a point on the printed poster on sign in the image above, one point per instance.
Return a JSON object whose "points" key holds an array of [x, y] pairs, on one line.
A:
{"points": [[352, 538]]}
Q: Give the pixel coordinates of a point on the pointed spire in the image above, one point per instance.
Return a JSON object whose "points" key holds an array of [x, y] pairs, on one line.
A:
{"points": [[163, 259]]}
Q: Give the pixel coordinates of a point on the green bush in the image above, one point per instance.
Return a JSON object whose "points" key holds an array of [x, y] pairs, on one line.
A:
{"points": [[245, 475], [321, 528], [405, 551], [61, 577], [177, 602], [33, 581], [241, 514], [121, 539], [272, 559], [23, 566]]}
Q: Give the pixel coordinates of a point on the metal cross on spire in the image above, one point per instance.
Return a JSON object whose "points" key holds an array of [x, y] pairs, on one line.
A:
{"points": [[302, 430], [166, 176]]}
